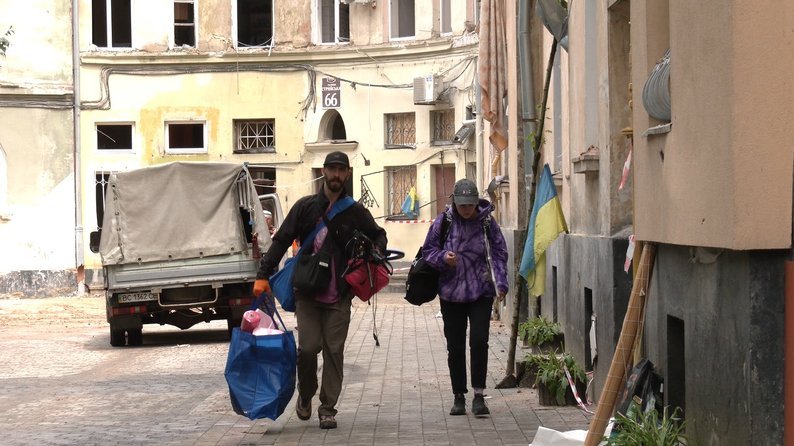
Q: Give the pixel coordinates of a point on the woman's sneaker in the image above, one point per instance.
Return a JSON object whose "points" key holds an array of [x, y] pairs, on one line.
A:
{"points": [[478, 406], [459, 407]]}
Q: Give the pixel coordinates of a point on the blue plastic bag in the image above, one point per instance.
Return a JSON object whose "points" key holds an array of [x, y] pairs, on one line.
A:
{"points": [[260, 372], [281, 284]]}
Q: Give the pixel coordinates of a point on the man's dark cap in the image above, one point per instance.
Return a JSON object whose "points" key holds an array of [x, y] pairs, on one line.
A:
{"points": [[337, 158]]}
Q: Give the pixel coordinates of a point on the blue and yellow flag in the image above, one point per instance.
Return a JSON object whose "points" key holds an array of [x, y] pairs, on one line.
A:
{"points": [[410, 205], [545, 223]]}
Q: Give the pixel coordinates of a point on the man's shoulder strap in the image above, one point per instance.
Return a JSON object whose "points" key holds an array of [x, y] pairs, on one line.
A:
{"points": [[340, 205]]}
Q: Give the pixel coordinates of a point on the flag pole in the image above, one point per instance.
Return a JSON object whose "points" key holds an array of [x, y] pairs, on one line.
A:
{"points": [[509, 381]]}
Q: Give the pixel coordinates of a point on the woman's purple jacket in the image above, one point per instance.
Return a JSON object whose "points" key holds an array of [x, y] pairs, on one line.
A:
{"points": [[470, 279]]}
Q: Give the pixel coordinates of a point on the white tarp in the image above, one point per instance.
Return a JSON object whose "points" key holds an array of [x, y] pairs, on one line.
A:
{"points": [[550, 437], [178, 210]]}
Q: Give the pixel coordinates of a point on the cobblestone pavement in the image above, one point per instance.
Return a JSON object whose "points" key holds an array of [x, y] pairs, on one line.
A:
{"points": [[61, 383]]}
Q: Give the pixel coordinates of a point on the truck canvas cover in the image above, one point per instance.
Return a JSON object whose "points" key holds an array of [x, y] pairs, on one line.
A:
{"points": [[177, 211]]}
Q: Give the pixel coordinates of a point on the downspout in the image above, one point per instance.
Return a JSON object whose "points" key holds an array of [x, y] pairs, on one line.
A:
{"points": [[478, 131], [528, 118], [78, 202]]}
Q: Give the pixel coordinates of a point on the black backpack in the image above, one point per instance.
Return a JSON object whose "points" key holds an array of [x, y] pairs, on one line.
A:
{"points": [[421, 286]]}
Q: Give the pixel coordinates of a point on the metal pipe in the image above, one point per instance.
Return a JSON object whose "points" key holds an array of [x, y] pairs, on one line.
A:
{"points": [[77, 171], [528, 117]]}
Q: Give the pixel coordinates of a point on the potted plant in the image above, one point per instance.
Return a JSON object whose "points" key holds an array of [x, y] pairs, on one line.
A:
{"points": [[541, 334], [527, 370], [552, 382], [638, 427]]}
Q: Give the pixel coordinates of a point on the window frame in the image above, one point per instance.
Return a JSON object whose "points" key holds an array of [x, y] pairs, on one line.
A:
{"points": [[236, 127], [434, 132], [236, 27], [445, 12], [108, 19], [318, 23], [395, 196], [388, 143], [396, 22], [131, 125], [186, 150], [194, 24]]}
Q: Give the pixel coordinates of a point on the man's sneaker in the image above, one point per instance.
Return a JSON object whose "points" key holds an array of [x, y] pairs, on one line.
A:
{"points": [[327, 422], [478, 406], [459, 408], [303, 408]]}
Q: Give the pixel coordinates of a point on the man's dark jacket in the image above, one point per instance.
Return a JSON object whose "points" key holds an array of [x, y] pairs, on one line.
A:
{"points": [[301, 221]]}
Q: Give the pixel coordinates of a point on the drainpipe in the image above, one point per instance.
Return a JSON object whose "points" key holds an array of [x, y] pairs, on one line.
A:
{"points": [[528, 117], [478, 131], [78, 202]]}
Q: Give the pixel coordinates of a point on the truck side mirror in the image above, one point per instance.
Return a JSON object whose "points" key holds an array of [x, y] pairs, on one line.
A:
{"points": [[93, 241]]}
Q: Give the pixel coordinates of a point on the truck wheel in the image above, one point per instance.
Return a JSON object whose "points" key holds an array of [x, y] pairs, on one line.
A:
{"points": [[117, 337], [135, 336]]}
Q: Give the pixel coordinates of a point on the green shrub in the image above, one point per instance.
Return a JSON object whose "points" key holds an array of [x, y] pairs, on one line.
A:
{"points": [[538, 330], [645, 428], [551, 373]]}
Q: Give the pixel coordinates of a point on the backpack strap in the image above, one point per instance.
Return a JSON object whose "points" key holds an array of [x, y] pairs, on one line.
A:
{"points": [[445, 224]]}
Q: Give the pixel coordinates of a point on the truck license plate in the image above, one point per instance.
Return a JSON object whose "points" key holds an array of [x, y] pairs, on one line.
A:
{"points": [[136, 297]]}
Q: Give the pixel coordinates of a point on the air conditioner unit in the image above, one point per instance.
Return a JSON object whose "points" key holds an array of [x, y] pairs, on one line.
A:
{"points": [[427, 89]]}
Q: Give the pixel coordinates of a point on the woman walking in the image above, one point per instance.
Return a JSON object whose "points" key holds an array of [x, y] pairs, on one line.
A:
{"points": [[473, 255]]}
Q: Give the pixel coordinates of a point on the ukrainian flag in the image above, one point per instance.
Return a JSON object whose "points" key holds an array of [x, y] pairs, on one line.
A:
{"points": [[545, 224], [410, 206]]}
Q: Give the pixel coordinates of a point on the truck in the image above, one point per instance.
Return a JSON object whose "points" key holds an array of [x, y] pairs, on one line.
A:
{"points": [[180, 244]]}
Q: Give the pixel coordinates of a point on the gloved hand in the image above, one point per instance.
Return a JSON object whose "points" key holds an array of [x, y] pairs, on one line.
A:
{"points": [[261, 286]]}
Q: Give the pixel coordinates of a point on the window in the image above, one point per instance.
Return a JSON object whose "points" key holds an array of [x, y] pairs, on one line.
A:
{"points": [[332, 127], [334, 21], [100, 192], [473, 11], [400, 181], [116, 136], [443, 126], [446, 17], [111, 25], [255, 136], [264, 179], [184, 23], [402, 18], [254, 23], [185, 137], [400, 130]]}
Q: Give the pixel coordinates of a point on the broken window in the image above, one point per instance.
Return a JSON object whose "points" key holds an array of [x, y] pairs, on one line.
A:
{"points": [[255, 136], [111, 25], [443, 126], [114, 136], [446, 17], [334, 21], [402, 18], [185, 137], [400, 130], [184, 23], [254, 23], [264, 179], [400, 180]]}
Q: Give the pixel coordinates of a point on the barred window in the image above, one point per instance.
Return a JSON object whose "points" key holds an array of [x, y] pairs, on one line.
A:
{"points": [[257, 136], [443, 126], [400, 130], [100, 193], [400, 180]]}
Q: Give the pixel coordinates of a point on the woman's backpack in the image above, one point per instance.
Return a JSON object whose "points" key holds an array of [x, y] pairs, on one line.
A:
{"points": [[421, 286]]}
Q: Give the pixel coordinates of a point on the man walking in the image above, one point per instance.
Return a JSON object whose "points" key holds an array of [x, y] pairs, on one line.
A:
{"points": [[323, 316]]}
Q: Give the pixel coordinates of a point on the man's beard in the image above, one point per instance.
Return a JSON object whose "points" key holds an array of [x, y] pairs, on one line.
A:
{"points": [[334, 185]]}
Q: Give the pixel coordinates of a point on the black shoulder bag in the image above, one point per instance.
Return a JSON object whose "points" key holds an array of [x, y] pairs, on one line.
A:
{"points": [[421, 286]]}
